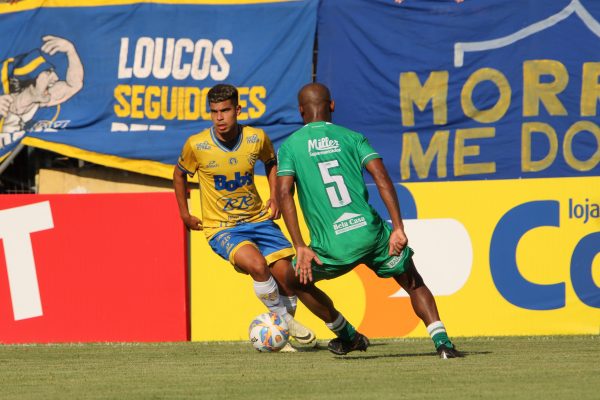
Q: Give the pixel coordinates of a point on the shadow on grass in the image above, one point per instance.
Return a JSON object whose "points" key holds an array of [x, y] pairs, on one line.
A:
{"points": [[365, 355], [308, 349], [464, 354], [358, 356]]}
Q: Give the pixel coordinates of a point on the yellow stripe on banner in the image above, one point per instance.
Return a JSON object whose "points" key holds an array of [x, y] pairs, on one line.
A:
{"points": [[146, 167], [2, 158], [33, 64], [56, 114], [24, 5], [5, 87]]}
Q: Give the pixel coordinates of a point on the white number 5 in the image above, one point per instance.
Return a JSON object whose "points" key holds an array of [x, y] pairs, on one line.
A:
{"points": [[338, 181]]}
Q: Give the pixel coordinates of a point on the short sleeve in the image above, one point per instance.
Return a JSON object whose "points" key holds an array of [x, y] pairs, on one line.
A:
{"points": [[267, 153], [187, 159], [366, 152], [285, 163]]}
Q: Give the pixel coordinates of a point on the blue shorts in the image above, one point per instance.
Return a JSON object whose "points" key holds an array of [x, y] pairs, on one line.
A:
{"points": [[266, 236]]}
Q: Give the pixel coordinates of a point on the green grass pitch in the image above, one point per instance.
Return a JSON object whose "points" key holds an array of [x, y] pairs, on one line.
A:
{"points": [[553, 367]]}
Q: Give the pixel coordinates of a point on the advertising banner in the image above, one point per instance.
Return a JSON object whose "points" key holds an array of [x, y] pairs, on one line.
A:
{"points": [[524, 264], [485, 89], [124, 83], [92, 268], [486, 115]]}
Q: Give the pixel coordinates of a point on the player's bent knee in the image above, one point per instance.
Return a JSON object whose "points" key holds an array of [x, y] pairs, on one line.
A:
{"points": [[258, 274], [284, 275], [410, 279], [255, 267]]}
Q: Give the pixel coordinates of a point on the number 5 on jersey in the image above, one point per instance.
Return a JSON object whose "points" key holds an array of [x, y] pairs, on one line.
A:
{"points": [[333, 181]]}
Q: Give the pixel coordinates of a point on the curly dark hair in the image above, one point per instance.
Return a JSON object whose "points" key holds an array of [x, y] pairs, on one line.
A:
{"points": [[223, 92]]}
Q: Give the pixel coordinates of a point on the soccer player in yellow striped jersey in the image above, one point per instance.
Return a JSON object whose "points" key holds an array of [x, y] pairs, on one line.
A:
{"points": [[226, 176], [235, 221]]}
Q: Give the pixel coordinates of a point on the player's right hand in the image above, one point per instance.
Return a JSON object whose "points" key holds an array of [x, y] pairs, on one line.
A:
{"points": [[304, 258], [398, 242], [5, 102], [193, 223]]}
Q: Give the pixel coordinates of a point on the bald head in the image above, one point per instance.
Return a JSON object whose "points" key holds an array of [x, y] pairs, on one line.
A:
{"points": [[314, 93], [314, 103]]}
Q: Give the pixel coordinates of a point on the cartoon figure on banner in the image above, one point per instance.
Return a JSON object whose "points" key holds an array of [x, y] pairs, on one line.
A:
{"points": [[30, 81]]}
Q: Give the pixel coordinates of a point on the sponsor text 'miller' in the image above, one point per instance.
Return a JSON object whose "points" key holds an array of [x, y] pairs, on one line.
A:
{"points": [[323, 146]]}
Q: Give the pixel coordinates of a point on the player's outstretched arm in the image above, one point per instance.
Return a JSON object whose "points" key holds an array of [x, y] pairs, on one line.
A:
{"points": [[272, 202], [398, 239], [304, 254], [180, 186], [285, 195]]}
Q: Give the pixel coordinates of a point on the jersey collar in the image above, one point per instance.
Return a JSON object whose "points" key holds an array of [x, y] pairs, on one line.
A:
{"points": [[318, 123], [218, 142]]}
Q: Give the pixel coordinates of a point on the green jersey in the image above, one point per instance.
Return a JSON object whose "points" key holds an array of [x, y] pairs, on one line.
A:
{"points": [[327, 162]]}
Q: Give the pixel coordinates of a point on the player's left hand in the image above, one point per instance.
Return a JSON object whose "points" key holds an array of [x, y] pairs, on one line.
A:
{"points": [[398, 242], [273, 205]]}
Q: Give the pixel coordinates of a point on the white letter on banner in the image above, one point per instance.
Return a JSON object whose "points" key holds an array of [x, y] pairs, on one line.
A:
{"points": [[16, 224], [222, 46], [162, 52], [144, 57], [201, 59], [124, 71], [182, 71]]}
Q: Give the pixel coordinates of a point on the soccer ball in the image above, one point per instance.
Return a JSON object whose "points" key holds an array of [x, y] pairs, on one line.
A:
{"points": [[268, 332]]}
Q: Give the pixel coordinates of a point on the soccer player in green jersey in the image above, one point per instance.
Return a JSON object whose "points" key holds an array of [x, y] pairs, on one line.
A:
{"points": [[325, 162]]}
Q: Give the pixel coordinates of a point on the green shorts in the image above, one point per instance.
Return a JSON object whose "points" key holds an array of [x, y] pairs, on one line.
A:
{"points": [[378, 260]]}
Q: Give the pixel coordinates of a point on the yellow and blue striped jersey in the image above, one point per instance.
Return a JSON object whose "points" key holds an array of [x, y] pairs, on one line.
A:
{"points": [[226, 176]]}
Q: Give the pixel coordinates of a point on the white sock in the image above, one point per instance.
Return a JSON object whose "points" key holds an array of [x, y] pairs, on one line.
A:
{"points": [[435, 327], [268, 293], [338, 324], [290, 303]]}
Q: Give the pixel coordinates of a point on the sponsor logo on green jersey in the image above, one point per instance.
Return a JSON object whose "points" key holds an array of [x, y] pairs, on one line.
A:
{"points": [[348, 222], [323, 146]]}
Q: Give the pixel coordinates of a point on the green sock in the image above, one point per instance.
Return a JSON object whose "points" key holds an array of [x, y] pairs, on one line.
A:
{"points": [[347, 333], [438, 334], [440, 339], [342, 328]]}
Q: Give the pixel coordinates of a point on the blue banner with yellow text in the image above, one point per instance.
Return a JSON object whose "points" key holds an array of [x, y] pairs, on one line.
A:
{"points": [[467, 102], [124, 83], [482, 89]]}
